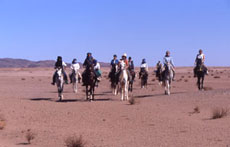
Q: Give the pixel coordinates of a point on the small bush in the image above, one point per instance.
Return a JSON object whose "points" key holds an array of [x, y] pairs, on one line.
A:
{"points": [[132, 101], [216, 77], [208, 88], [153, 80], [2, 122], [196, 110], [75, 142], [23, 79], [186, 80], [219, 113], [29, 136]]}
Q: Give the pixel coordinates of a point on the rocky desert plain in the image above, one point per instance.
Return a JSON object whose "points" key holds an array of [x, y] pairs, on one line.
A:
{"points": [[28, 104]]}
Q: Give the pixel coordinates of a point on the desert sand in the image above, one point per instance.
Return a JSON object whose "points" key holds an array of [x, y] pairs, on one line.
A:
{"points": [[29, 101]]}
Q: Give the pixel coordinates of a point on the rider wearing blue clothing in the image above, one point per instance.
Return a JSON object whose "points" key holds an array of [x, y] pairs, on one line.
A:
{"points": [[114, 62], [169, 60]]}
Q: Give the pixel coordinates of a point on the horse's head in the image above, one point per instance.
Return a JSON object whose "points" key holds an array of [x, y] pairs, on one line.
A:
{"points": [[123, 65]]}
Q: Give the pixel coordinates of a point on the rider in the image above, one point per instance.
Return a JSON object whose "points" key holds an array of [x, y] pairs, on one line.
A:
{"points": [[87, 64], [168, 59], [113, 64], [60, 64], [97, 70], [131, 67], [200, 61], [159, 70], [75, 67], [144, 68], [124, 59]]}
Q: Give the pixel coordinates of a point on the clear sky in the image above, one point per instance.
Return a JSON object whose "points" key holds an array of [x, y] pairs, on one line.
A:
{"points": [[44, 29]]}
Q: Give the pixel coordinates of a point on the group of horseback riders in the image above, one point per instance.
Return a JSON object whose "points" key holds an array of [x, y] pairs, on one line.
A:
{"points": [[91, 65]]}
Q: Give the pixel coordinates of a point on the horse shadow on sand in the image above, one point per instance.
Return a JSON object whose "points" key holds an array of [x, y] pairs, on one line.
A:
{"points": [[156, 95]]}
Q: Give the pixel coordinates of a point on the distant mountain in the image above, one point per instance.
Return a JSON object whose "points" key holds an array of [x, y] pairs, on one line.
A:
{"points": [[23, 63]]}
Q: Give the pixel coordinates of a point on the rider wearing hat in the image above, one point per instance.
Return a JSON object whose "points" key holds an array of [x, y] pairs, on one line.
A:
{"points": [[124, 59], [169, 60], [60, 64], [114, 62]]}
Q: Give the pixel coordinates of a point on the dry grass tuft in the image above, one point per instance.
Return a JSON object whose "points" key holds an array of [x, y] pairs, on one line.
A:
{"points": [[219, 113], [23, 79], [208, 88], [196, 110], [216, 77], [186, 80], [132, 101], [153, 80], [2, 122], [29, 136], [75, 141]]}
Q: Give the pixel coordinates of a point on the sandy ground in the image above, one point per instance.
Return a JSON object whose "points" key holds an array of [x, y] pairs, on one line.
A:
{"points": [[29, 101]]}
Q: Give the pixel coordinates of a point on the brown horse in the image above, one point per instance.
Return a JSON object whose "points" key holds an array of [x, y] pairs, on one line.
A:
{"points": [[90, 81]]}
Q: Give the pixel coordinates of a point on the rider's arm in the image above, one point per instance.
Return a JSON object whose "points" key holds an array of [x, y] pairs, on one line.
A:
{"points": [[63, 63], [172, 63]]}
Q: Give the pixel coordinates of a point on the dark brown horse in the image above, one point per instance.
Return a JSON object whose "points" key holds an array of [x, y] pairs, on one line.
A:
{"points": [[200, 73], [131, 81], [114, 78], [144, 78], [90, 81]]}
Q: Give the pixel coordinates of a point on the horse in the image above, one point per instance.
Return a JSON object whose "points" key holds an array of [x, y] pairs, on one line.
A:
{"points": [[200, 73], [60, 83], [90, 81], [167, 76], [123, 82], [75, 79], [144, 78], [133, 75], [114, 79]]}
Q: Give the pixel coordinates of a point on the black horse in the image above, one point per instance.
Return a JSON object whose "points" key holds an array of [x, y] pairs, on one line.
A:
{"points": [[143, 75], [89, 82], [200, 72], [114, 78], [131, 81]]}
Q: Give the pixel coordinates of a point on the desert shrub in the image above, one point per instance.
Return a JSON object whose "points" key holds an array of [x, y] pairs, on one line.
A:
{"points": [[216, 77], [2, 122], [208, 88], [196, 110], [75, 141], [29, 136], [219, 113], [132, 101], [153, 80], [186, 80], [23, 79]]}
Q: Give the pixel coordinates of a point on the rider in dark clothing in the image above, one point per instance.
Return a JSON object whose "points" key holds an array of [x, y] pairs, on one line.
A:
{"points": [[131, 68], [59, 64], [87, 64]]}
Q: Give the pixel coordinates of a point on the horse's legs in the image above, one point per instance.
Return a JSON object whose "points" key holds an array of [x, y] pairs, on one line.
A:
{"points": [[202, 83], [126, 91], [86, 92], [198, 82]]}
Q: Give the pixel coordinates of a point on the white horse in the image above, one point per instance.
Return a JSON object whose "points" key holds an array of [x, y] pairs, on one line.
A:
{"points": [[74, 78], [123, 82], [60, 83], [167, 78]]}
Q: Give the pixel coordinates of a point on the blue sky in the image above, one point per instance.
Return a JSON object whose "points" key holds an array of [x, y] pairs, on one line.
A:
{"points": [[44, 29]]}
